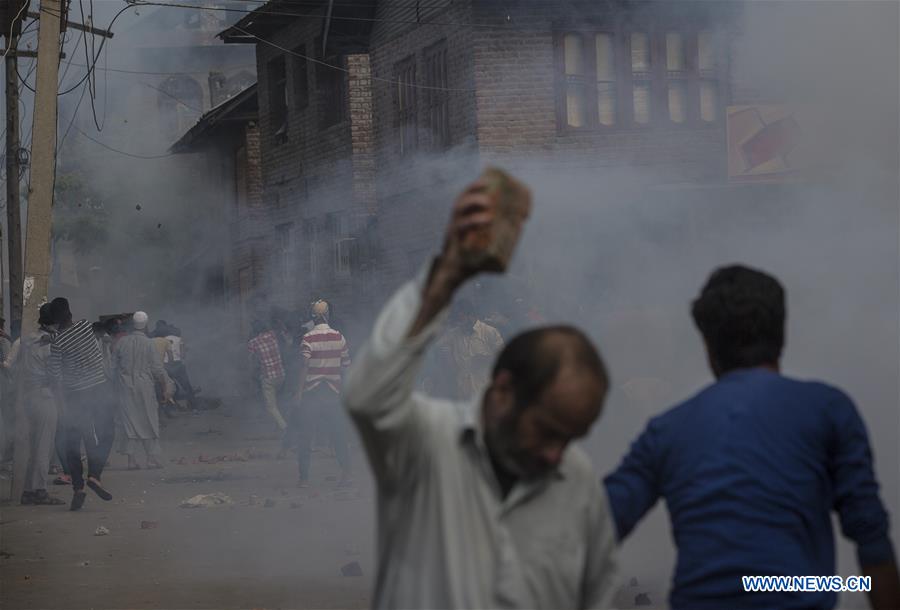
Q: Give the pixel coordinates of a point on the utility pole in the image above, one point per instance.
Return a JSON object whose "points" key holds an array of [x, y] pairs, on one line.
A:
{"points": [[12, 26], [43, 166], [13, 203]]}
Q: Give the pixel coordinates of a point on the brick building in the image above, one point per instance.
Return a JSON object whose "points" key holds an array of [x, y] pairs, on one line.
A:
{"points": [[227, 136], [427, 93], [595, 85], [317, 154]]}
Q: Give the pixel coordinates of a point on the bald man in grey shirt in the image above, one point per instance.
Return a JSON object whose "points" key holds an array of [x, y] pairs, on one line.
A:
{"points": [[482, 504]]}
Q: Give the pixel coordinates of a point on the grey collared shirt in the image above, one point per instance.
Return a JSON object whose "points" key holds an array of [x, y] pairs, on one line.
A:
{"points": [[446, 536]]}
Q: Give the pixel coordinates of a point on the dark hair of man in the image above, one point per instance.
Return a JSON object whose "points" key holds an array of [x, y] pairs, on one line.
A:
{"points": [[535, 357], [112, 325], [740, 313], [45, 317], [59, 310]]}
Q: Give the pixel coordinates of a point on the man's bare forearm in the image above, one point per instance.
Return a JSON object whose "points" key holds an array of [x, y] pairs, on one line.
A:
{"points": [[443, 280]]}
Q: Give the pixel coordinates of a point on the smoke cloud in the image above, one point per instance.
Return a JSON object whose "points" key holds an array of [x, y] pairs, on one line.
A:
{"points": [[618, 251]]}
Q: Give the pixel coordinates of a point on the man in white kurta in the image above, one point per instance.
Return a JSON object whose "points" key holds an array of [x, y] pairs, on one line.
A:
{"points": [[138, 368], [472, 514]]}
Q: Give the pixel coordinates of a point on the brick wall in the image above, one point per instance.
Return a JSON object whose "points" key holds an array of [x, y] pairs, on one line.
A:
{"points": [[316, 172], [255, 191], [307, 175], [414, 191], [251, 226], [515, 75], [362, 134]]}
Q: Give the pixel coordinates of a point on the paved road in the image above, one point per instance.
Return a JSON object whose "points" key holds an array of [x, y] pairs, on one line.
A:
{"points": [[246, 555]]}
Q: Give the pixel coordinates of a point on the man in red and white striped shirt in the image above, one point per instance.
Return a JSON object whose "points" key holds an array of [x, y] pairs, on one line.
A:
{"points": [[325, 358]]}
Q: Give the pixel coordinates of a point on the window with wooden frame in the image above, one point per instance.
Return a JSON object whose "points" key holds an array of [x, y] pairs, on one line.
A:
{"points": [[708, 74], [331, 91], [437, 98], [639, 77], [300, 74], [405, 103], [278, 104]]}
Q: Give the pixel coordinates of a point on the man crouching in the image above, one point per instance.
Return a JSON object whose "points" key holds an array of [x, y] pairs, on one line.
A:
{"points": [[482, 504]]}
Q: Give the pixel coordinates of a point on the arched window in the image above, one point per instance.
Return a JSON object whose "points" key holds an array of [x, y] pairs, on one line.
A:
{"points": [[180, 103]]}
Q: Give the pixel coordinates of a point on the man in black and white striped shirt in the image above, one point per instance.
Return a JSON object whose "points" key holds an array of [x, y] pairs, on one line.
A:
{"points": [[85, 397]]}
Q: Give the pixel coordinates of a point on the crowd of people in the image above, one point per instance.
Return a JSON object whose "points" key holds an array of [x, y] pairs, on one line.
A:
{"points": [[74, 388], [483, 499], [298, 375]]}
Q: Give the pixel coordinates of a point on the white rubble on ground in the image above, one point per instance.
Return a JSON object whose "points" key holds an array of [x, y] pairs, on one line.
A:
{"points": [[207, 500]]}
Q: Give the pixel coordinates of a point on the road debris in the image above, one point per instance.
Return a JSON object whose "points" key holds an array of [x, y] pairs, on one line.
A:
{"points": [[246, 455], [149, 525], [101, 531], [207, 500]]}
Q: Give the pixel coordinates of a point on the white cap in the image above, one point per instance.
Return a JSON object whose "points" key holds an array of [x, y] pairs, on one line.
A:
{"points": [[140, 320]]}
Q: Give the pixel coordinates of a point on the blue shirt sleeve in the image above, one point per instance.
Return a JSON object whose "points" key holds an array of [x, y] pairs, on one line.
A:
{"points": [[862, 515], [633, 488]]}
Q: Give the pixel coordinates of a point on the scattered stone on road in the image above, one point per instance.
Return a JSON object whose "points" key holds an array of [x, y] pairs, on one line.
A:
{"points": [[207, 500], [101, 531]]}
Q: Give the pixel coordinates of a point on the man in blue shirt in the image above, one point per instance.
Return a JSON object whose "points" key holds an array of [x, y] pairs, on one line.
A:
{"points": [[751, 467]]}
